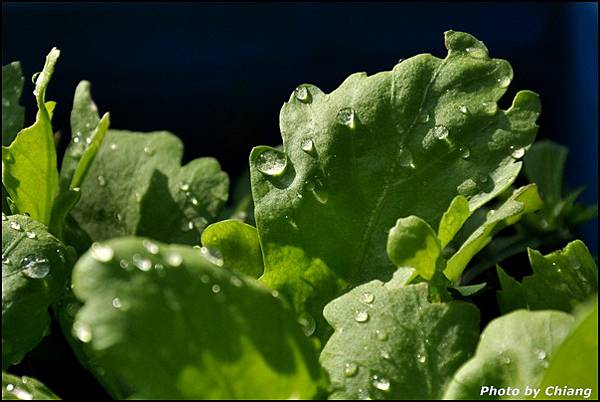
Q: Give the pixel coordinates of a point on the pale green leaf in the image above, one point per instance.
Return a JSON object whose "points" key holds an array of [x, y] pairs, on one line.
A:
{"points": [[205, 332], [29, 164], [391, 342], [514, 350], [24, 389], [453, 219]]}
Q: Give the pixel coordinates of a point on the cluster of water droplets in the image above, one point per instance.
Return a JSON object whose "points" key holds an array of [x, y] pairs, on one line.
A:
{"points": [[17, 392]]}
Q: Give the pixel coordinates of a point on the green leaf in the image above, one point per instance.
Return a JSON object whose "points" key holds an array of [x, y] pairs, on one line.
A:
{"points": [[29, 163], [238, 244], [13, 114], [514, 350], [35, 271], [88, 132], [560, 281], [575, 363], [522, 201], [398, 143], [413, 244], [544, 165], [206, 332], [453, 219], [391, 342], [136, 186], [469, 290], [24, 388]]}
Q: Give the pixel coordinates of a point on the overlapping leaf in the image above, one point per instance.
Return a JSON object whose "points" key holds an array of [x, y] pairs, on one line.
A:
{"points": [[205, 332], [398, 143], [35, 272], [391, 342], [24, 389], [13, 114]]}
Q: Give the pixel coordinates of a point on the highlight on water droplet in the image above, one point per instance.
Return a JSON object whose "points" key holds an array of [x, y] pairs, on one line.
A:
{"points": [[424, 117], [440, 132], [463, 109], [113, 146], [82, 331], [464, 152], [101, 181], [381, 383], [302, 94], [142, 263], [346, 116], [308, 146], [476, 52], [116, 303], [405, 158], [350, 369], [183, 186], [361, 316], [102, 253], [212, 255], [421, 358], [489, 107], [504, 82], [368, 297], [308, 323], [517, 153], [174, 259], [30, 234], [15, 226], [467, 187], [215, 288], [150, 246], [271, 162], [148, 150], [35, 266], [381, 335]]}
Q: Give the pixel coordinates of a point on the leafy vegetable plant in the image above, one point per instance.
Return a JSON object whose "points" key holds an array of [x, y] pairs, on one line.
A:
{"points": [[359, 263]]}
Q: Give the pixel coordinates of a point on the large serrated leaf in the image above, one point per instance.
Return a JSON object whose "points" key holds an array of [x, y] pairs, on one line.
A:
{"points": [[398, 143], [514, 351], [13, 114], [29, 164], [391, 342], [560, 281], [35, 272], [136, 186], [205, 332]]}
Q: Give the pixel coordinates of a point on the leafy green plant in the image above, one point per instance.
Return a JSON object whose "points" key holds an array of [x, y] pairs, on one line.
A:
{"points": [[349, 266]]}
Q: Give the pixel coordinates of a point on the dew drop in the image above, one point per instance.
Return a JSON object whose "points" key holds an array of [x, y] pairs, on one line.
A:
{"points": [[490, 107], [405, 158], [35, 76], [381, 335], [148, 150], [237, 282], [517, 153], [21, 394], [142, 263], [381, 383], [174, 259], [212, 255], [271, 163], [4, 217], [346, 116], [30, 235], [113, 146], [463, 109], [151, 246], [421, 358], [15, 225], [476, 52], [184, 186], [368, 297], [194, 201], [82, 331], [350, 369], [102, 253], [467, 187], [361, 316], [506, 360], [5, 260], [504, 82], [540, 354], [215, 288], [385, 354], [440, 132], [124, 264], [308, 324], [35, 267], [101, 181], [308, 146], [302, 94], [424, 117], [464, 152], [116, 303]]}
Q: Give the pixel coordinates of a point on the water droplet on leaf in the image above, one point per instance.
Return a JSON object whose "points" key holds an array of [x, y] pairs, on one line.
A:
{"points": [[350, 369], [346, 116], [271, 163], [102, 253], [361, 316]]}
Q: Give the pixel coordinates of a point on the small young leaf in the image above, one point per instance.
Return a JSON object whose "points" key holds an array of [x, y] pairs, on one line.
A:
{"points": [[24, 389], [13, 114], [453, 219], [206, 333], [413, 244], [35, 271], [522, 201], [238, 244], [88, 131], [136, 186], [398, 143], [29, 164], [391, 342], [560, 281], [544, 166], [514, 350], [575, 363]]}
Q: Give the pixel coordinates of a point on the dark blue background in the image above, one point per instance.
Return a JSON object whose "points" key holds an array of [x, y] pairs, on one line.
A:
{"points": [[217, 74]]}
